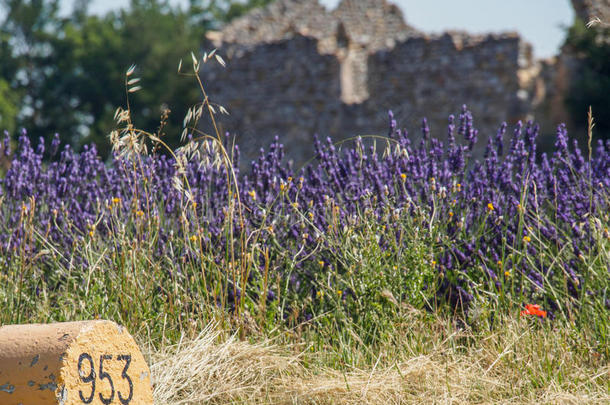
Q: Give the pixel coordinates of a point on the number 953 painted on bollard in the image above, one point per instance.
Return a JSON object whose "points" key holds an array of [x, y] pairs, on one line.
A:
{"points": [[89, 362]]}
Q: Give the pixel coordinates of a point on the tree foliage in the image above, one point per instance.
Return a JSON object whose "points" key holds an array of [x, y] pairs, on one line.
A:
{"points": [[591, 85], [66, 74]]}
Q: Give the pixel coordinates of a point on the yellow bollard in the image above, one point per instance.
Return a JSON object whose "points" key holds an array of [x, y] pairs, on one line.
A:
{"points": [[89, 362]]}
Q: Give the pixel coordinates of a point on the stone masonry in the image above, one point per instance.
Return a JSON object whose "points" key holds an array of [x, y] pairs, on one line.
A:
{"points": [[295, 70]]}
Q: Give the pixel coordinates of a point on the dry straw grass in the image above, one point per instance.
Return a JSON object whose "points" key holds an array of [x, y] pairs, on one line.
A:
{"points": [[518, 365]]}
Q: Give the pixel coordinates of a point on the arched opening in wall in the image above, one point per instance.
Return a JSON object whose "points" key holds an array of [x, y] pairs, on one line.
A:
{"points": [[353, 60], [342, 38]]}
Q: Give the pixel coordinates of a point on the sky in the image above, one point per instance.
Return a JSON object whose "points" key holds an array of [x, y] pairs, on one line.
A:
{"points": [[540, 22]]}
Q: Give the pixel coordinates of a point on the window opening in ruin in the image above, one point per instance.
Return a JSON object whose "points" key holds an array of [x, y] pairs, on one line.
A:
{"points": [[342, 38], [352, 59]]}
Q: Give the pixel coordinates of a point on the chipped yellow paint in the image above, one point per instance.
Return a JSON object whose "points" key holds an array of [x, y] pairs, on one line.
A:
{"points": [[89, 362]]}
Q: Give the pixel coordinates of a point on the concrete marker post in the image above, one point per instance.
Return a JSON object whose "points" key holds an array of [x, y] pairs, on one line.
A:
{"points": [[88, 362]]}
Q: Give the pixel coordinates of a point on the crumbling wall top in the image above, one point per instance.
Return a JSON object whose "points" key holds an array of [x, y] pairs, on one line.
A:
{"points": [[373, 24], [281, 19], [368, 24]]}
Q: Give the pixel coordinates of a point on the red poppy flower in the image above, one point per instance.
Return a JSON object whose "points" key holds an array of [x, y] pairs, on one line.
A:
{"points": [[533, 309]]}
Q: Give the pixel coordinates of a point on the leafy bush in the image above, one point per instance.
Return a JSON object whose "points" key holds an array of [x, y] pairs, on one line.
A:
{"points": [[591, 86]]}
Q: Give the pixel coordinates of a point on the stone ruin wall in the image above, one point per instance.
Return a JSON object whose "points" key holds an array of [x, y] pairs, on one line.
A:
{"points": [[433, 77], [285, 88], [296, 70]]}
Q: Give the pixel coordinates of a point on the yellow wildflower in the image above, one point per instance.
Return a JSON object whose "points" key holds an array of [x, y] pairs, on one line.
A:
{"points": [[490, 206]]}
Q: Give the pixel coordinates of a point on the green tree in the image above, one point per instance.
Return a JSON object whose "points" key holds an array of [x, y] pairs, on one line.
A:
{"points": [[66, 75], [591, 86], [216, 12], [97, 51], [26, 35], [8, 107]]}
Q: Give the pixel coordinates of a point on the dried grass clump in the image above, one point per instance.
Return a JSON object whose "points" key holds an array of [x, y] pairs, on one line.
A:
{"points": [[517, 365], [202, 370]]}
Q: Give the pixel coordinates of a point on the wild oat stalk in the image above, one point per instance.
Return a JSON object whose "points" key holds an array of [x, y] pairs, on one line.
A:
{"points": [[130, 142]]}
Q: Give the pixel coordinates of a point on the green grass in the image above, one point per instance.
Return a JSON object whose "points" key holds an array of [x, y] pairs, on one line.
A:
{"points": [[390, 342]]}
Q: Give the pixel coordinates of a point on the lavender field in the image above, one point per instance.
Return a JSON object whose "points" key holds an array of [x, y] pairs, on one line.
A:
{"points": [[335, 252], [413, 216]]}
